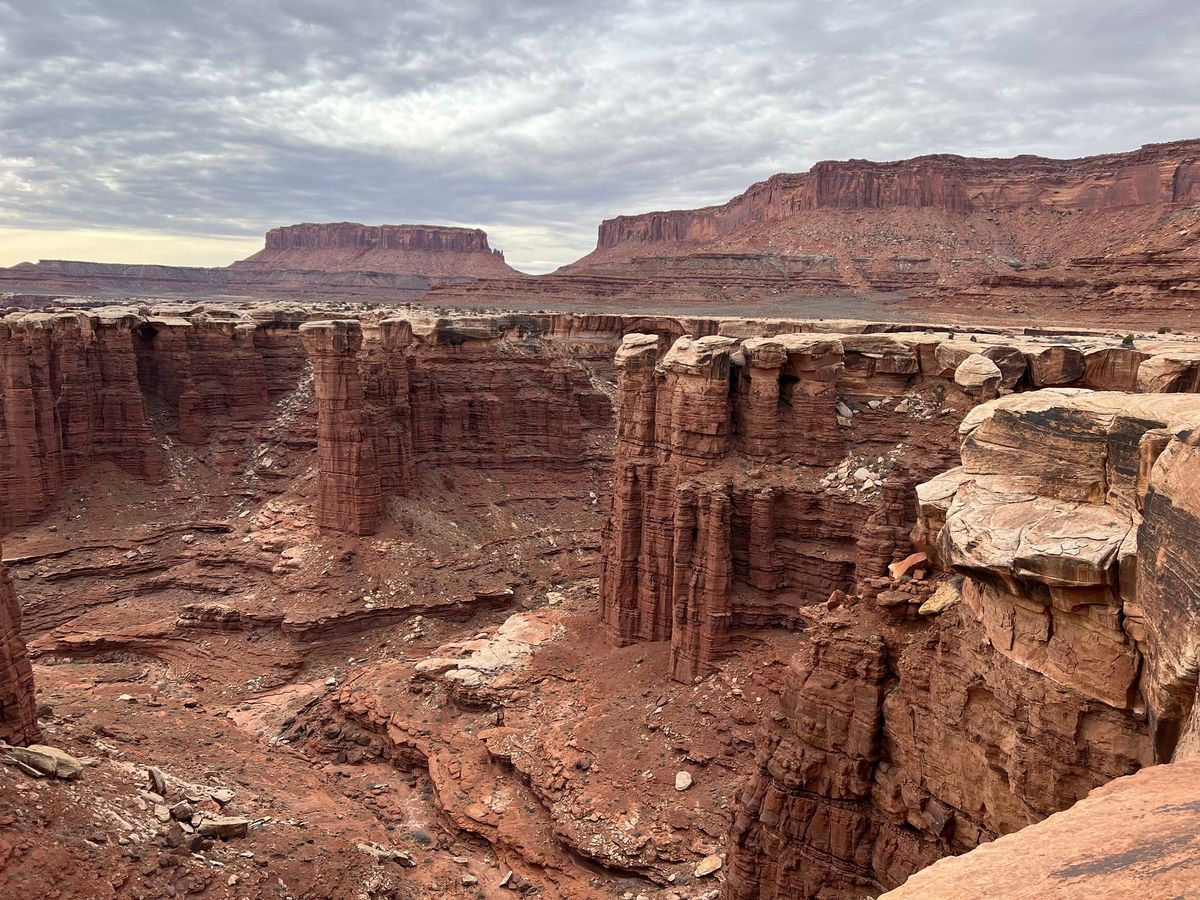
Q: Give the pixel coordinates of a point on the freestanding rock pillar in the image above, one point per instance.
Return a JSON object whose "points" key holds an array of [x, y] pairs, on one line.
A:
{"points": [[347, 459]]}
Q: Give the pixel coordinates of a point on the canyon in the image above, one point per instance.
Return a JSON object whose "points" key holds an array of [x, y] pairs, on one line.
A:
{"points": [[836, 541], [302, 600]]}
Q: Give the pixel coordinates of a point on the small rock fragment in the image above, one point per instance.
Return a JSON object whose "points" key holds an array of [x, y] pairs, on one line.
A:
{"points": [[224, 827], [708, 865]]}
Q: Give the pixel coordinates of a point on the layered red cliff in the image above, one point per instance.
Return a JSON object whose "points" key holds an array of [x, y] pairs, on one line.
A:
{"points": [[907, 736], [1111, 236], [1046, 680], [765, 475], [1154, 175], [69, 398]]}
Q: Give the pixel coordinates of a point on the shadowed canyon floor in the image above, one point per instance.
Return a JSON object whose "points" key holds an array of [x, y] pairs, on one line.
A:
{"points": [[590, 606]]}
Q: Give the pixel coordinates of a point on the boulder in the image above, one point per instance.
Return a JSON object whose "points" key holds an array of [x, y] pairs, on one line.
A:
{"points": [[979, 377], [41, 761], [223, 827], [1054, 364]]}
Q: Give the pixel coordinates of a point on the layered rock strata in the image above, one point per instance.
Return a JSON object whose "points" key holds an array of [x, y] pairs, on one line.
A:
{"points": [[720, 516], [69, 397], [1103, 237], [18, 716], [1067, 529], [429, 250], [348, 489], [1156, 174], [698, 542], [490, 393]]}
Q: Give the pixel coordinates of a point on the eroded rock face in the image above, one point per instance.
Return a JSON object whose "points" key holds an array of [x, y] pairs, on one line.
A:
{"points": [[900, 746], [349, 492], [18, 716], [1166, 595], [69, 397], [1069, 662], [1050, 499], [1134, 835], [808, 814], [700, 543]]}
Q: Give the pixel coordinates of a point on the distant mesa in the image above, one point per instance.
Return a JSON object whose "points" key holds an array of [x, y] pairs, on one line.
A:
{"points": [[338, 260], [435, 251]]}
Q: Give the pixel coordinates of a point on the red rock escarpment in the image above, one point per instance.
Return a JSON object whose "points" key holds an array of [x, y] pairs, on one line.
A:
{"points": [[1155, 174], [492, 393], [69, 397], [1058, 672], [82, 388], [698, 542], [1104, 236], [18, 717], [429, 250]]}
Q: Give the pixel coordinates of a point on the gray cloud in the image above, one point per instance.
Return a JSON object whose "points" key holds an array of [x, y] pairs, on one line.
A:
{"points": [[537, 119]]}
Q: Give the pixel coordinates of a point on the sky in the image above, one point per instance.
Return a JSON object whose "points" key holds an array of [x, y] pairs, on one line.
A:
{"points": [[170, 132]]}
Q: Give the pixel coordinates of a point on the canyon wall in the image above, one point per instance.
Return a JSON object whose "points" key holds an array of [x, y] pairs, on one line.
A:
{"points": [[772, 481], [18, 715], [731, 503], [69, 398], [1039, 677], [490, 393]]}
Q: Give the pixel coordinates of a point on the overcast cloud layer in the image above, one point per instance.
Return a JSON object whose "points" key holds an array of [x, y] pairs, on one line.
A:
{"points": [[181, 132]]}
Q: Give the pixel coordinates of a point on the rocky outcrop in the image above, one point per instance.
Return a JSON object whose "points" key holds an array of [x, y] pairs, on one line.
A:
{"points": [[69, 397], [18, 707], [1069, 661], [1047, 515], [723, 510], [427, 250], [348, 487], [1132, 837], [726, 513]]}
